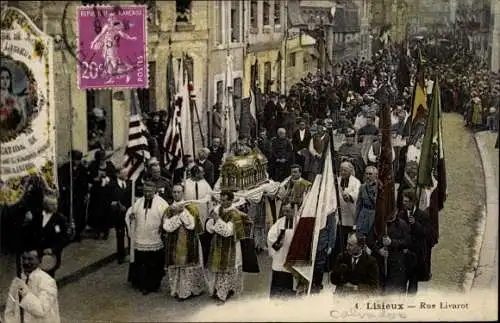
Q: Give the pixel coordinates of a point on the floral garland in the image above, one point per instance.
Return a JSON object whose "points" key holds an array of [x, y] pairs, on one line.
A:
{"points": [[12, 191]]}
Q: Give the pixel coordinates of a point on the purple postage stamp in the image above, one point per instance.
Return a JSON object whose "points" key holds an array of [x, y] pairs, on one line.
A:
{"points": [[112, 47]]}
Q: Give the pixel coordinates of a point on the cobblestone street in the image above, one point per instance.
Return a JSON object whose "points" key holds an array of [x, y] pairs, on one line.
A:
{"points": [[105, 295]]}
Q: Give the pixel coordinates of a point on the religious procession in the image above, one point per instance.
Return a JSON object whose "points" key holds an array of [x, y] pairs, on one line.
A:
{"points": [[336, 185]]}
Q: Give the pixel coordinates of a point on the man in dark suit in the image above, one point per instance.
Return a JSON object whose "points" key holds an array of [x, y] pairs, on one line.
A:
{"points": [[423, 238], [215, 156], [270, 115], [47, 229], [207, 165], [120, 195], [181, 173], [74, 179], [300, 141], [354, 271], [264, 143]]}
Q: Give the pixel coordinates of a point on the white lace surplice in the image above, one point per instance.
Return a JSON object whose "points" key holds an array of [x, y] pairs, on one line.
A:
{"points": [[185, 281], [232, 280]]}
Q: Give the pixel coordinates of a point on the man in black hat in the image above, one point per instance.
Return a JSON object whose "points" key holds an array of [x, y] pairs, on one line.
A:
{"points": [[101, 171], [74, 179], [270, 115], [264, 144]]}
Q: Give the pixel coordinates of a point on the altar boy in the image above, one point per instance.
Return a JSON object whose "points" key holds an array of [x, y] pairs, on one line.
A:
{"points": [[278, 239]]}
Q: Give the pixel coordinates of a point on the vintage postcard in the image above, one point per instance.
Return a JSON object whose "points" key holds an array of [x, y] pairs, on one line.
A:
{"points": [[112, 47]]}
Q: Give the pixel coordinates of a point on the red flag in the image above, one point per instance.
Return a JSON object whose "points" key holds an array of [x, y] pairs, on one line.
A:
{"points": [[385, 206]]}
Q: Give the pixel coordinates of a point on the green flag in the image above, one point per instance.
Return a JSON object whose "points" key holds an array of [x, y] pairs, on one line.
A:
{"points": [[432, 140]]}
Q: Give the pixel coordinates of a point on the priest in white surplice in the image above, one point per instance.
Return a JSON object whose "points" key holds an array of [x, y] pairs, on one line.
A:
{"points": [[145, 223], [197, 189], [224, 266], [184, 258], [35, 293], [348, 193], [279, 238]]}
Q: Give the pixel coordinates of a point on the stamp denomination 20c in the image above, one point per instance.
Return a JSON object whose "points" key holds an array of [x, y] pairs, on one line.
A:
{"points": [[112, 47]]}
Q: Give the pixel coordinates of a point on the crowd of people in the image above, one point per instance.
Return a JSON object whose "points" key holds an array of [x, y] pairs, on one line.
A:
{"points": [[179, 228]]}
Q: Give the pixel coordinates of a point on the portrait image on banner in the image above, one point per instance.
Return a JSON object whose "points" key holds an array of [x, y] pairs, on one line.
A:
{"points": [[27, 124], [18, 98], [112, 47]]}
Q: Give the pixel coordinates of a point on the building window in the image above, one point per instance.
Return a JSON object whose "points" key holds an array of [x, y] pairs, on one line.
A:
{"points": [[237, 94], [253, 17], [218, 21], [220, 93], [266, 13], [147, 97], [277, 13], [235, 21], [267, 78], [291, 60], [183, 10], [99, 119]]}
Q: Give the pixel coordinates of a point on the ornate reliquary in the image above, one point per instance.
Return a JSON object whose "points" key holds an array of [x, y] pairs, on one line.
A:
{"points": [[239, 173]]}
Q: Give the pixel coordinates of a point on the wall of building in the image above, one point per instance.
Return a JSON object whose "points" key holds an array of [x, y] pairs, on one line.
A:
{"points": [[265, 44], [495, 36], [301, 58], [192, 40], [220, 48], [364, 37]]}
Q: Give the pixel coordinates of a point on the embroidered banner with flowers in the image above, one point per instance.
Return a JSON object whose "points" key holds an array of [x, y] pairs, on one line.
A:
{"points": [[27, 132]]}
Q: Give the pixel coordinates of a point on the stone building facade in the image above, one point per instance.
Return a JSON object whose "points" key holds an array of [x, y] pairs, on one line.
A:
{"points": [[301, 57], [494, 46], [365, 36], [397, 14], [227, 37], [265, 25], [205, 31], [171, 29]]}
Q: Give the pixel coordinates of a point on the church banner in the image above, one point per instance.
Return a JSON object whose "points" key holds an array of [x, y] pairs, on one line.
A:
{"points": [[27, 113]]}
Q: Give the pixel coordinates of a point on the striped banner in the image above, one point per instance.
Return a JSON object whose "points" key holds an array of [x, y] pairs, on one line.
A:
{"points": [[172, 143], [137, 152]]}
